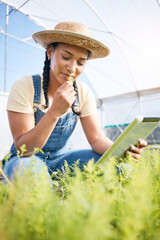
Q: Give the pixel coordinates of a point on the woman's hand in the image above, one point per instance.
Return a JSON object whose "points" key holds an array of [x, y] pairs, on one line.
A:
{"points": [[63, 98], [136, 150]]}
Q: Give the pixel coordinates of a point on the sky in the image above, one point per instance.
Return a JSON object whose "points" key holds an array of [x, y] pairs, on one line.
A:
{"points": [[135, 53], [22, 59]]}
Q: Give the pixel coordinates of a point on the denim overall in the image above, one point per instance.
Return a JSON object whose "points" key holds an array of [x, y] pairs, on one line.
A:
{"points": [[56, 149]]}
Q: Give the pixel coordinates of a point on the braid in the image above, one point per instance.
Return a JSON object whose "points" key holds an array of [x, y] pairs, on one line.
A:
{"points": [[46, 71], [78, 113]]}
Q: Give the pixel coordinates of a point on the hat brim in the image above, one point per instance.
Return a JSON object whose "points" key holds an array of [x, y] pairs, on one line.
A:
{"points": [[97, 49]]}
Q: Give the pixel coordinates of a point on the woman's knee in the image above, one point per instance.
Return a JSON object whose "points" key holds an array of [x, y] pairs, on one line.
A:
{"points": [[22, 165]]}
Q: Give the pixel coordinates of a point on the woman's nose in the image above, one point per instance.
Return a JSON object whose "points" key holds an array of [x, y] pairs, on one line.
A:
{"points": [[72, 66]]}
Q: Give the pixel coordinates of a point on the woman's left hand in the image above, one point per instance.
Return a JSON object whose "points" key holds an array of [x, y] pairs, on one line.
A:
{"points": [[136, 150]]}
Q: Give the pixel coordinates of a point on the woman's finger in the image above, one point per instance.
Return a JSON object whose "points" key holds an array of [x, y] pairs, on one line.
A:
{"points": [[142, 143], [135, 156], [135, 149]]}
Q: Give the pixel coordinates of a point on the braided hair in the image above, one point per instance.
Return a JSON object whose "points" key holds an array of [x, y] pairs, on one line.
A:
{"points": [[46, 70], [78, 113]]}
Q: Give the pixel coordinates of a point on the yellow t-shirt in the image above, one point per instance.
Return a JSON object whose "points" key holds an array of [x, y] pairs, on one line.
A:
{"points": [[21, 98]]}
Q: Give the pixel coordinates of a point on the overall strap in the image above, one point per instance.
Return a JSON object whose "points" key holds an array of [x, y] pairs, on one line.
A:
{"points": [[37, 88]]}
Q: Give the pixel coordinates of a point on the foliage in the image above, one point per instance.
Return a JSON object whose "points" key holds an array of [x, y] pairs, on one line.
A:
{"points": [[120, 200]]}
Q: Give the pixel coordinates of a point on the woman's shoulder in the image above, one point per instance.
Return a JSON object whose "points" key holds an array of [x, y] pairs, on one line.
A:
{"points": [[87, 103], [21, 96], [81, 84], [24, 82], [83, 88]]}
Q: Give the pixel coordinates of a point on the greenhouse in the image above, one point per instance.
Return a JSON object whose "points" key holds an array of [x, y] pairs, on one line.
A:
{"points": [[125, 84]]}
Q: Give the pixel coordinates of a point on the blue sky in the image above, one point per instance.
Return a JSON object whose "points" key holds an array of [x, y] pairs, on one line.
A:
{"points": [[22, 59]]}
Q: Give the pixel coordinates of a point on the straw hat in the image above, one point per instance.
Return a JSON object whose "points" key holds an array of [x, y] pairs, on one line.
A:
{"points": [[72, 33]]}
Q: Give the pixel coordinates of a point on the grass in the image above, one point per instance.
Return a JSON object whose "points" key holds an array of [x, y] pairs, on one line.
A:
{"points": [[96, 203]]}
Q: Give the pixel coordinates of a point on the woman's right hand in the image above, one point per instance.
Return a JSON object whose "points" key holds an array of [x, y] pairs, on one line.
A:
{"points": [[63, 98]]}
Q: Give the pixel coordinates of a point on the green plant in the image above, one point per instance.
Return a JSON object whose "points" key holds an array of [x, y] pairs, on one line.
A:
{"points": [[114, 201]]}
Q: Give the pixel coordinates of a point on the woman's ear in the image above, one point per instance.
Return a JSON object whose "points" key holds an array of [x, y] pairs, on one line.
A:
{"points": [[49, 51]]}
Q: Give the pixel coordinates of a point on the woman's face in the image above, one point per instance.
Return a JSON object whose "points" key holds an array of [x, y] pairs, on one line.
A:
{"points": [[66, 59]]}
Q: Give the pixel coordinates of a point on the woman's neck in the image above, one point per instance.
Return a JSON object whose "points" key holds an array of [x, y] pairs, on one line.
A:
{"points": [[53, 86]]}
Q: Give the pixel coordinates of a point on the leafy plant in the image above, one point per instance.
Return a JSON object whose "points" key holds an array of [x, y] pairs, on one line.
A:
{"points": [[119, 200]]}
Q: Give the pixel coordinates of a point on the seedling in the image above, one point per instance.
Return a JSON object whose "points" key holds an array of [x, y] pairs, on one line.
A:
{"points": [[71, 77]]}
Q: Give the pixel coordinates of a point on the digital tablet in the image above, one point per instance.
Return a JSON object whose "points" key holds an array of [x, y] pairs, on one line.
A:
{"points": [[141, 127]]}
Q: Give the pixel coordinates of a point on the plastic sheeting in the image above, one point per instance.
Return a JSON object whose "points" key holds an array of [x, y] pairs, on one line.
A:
{"points": [[127, 82], [131, 29], [5, 134]]}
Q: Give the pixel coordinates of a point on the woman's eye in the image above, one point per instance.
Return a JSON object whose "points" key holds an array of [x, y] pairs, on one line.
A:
{"points": [[66, 58], [81, 63]]}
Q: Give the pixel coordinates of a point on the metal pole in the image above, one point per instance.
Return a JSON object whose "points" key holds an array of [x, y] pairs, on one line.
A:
{"points": [[6, 40]]}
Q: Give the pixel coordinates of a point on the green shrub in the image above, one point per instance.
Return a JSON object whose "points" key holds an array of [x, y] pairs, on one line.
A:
{"points": [[96, 203]]}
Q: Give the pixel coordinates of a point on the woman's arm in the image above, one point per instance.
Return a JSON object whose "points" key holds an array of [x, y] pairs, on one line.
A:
{"points": [[101, 143], [25, 132], [92, 129], [23, 127]]}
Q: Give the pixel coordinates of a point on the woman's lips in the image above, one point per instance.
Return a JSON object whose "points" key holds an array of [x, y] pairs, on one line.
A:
{"points": [[65, 75]]}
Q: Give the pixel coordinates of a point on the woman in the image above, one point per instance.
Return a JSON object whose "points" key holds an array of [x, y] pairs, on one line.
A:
{"points": [[43, 110]]}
